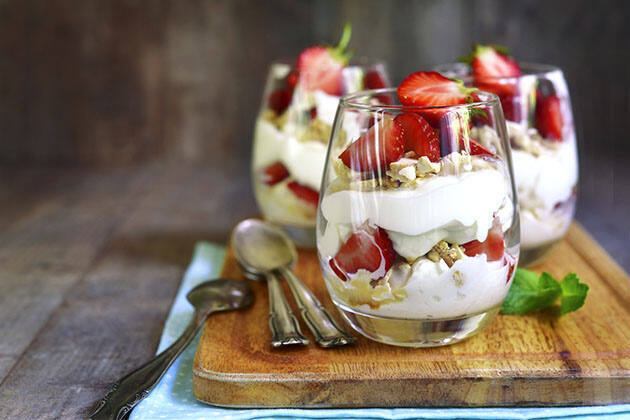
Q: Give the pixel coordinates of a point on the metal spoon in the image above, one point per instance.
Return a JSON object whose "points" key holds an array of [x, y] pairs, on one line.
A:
{"points": [[208, 297], [265, 249], [253, 256]]}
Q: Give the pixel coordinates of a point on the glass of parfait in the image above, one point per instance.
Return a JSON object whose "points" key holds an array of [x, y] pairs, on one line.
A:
{"points": [[537, 109], [293, 129], [417, 229]]}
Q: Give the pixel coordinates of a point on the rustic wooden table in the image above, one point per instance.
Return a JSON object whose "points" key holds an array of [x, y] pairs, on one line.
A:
{"points": [[90, 261]]}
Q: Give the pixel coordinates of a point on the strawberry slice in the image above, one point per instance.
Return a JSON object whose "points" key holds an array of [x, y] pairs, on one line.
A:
{"points": [[488, 62], [319, 70], [493, 246], [320, 67], [548, 118], [475, 148], [380, 145], [279, 100], [292, 79], [374, 80], [274, 173], [489, 65], [419, 136], [304, 193], [430, 88], [367, 249]]}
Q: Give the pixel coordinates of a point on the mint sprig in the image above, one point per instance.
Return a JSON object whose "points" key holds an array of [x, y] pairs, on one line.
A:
{"points": [[530, 292]]}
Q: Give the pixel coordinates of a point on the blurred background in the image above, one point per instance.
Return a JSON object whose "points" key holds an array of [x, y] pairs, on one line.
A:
{"points": [[104, 84]]}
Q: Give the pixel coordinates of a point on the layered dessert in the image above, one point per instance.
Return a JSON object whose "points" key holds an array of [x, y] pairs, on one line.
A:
{"points": [[294, 127], [536, 106], [416, 214]]}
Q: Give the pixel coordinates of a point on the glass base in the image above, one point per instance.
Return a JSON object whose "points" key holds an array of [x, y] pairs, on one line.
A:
{"points": [[417, 332], [531, 256], [304, 237]]}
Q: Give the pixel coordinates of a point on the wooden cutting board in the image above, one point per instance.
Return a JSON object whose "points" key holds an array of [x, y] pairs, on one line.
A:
{"points": [[580, 359]]}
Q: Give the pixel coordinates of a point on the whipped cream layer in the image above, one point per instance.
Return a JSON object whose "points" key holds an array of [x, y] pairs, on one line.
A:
{"points": [[548, 178], [537, 230], [304, 160], [279, 204], [433, 290], [458, 208]]}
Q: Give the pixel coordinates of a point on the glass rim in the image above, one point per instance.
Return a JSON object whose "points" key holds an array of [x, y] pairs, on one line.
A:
{"points": [[361, 61], [527, 69], [350, 101]]}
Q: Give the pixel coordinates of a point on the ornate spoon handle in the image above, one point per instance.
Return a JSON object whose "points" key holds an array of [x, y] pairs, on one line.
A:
{"points": [[285, 329], [327, 333], [125, 394]]}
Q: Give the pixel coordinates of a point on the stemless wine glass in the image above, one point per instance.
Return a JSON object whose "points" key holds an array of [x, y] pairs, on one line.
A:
{"points": [[417, 240], [540, 127], [291, 137]]}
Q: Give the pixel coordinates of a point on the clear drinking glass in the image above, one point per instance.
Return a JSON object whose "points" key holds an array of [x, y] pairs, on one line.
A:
{"points": [[540, 127], [417, 248], [290, 141]]}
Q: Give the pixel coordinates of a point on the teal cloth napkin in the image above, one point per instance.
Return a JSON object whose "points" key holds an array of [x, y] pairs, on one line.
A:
{"points": [[173, 397]]}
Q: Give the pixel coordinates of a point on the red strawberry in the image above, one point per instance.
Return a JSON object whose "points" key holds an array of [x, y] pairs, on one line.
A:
{"points": [[379, 146], [493, 246], [320, 67], [475, 148], [274, 173], [304, 193], [367, 249], [490, 65], [549, 120], [430, 88], [279, 100], [419, 136], [374, 80], [319, 70], [488, 62], [292, 79]]}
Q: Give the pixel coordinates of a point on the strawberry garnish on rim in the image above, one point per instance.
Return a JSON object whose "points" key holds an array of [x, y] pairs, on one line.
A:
{"points": [[380, 145], [274, 173], [304, 193], [320, 67], [490, 65], [493, 246], [419, 136], [493, 62], [549, 120], [430, 88], [368, 249]]}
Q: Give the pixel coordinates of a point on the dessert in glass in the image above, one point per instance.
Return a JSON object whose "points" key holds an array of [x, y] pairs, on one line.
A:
{"points": [[537, 109], [417, 229], [293, 129]]}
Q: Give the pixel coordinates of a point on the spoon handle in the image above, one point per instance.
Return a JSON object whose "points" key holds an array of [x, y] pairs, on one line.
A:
{"points": [[128, 391], [285, 329], [327, 333]]}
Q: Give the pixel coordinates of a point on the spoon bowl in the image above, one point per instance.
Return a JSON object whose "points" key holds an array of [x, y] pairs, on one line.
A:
{"points": [[260, 247], [264, 249], [220, 295]]}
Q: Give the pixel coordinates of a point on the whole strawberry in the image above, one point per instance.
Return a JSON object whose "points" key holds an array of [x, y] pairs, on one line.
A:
{"points": [[320, 67]]}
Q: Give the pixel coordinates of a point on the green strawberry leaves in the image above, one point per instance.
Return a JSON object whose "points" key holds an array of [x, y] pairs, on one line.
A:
{"points": [[530, 292]]}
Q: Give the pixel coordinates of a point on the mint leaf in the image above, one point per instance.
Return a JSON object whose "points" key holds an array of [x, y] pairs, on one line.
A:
{"points": [[573, 293], [530, 292]]}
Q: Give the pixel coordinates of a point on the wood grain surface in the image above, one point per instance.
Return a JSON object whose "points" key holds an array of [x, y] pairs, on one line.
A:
{"points": [[538, 359]]}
